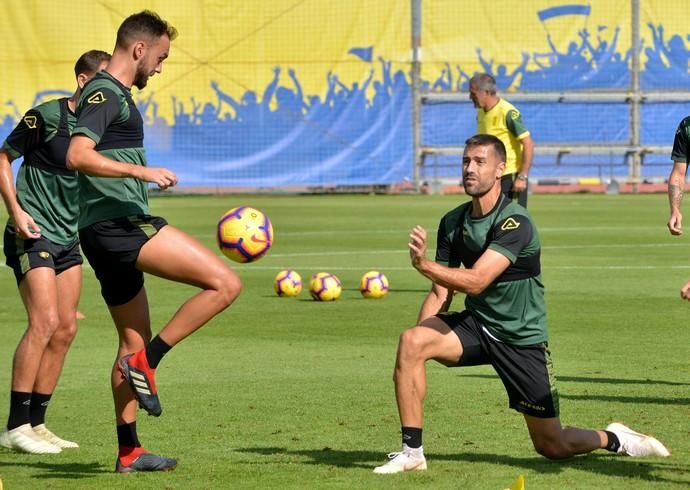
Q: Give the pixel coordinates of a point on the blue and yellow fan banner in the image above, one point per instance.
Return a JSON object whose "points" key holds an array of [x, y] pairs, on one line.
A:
{"points": [[306, 92]]}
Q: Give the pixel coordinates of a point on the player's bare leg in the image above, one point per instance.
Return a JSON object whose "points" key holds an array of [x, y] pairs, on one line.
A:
{"points": [[553, 441], [172, 254], [556, 442], [431, 340], [134, 331], [68, 290], [38, 290]]}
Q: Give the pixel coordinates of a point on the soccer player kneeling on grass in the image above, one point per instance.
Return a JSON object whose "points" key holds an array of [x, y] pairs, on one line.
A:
{"points": [[503, 324], [122, 240]]}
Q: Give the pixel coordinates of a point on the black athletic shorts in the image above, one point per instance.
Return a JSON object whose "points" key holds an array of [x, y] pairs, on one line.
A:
{"points": [[112, 247], [526, 371], [23, 255], [507, 189]]}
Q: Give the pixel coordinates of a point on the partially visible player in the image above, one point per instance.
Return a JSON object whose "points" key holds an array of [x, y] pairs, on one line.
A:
{"points": [[122, 240], [498, 117], [42, 248], [676, 185], [503, 323]]}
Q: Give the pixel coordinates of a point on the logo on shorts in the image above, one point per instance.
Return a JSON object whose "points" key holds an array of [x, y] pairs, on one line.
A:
{"points": [[30, 121], [532, 406], [96, 98], [510, 224], [44, 255]]}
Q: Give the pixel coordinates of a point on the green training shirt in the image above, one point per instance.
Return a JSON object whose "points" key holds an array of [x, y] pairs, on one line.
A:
{"points": [[107, 114], [46, 188], [512, 307], [681, 142]]}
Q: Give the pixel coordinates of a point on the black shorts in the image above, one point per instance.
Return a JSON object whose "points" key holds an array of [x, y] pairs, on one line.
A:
{"points": [[112, 247], [526, 371], [507, 189], [23, 255]]}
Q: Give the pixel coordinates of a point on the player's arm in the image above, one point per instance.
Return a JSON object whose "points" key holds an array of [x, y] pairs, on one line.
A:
{"points": [[518, 129], [83, 157], [472, 281], [26, 136], [676, 184], [685, 291], [676, 181], [98, 110], [438, 300], [24, 224], [527, 155]]}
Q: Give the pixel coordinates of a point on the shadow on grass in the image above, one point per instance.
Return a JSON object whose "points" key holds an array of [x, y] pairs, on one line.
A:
{"points": [[587, 379], [605, 464], [393, 291], [70, 471], [628, 399], [611, 398]]}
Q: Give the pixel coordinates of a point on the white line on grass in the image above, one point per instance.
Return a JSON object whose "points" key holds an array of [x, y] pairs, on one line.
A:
{"points": [[409, 268], [545, 229], [402, 250]]}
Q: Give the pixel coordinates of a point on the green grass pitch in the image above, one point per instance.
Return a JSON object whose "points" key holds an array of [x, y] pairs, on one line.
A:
{"points": [[291, 393]]}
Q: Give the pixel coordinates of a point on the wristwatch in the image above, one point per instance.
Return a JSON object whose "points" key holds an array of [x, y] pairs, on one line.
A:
{"points": [[522, 177]]}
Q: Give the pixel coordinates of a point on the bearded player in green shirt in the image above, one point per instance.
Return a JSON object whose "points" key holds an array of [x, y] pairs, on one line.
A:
{"points": [[122, 240], [42, 248], [503, 324]]}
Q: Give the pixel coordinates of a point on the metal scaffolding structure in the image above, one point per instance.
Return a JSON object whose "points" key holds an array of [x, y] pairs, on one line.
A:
{"points": [[633, 151]]}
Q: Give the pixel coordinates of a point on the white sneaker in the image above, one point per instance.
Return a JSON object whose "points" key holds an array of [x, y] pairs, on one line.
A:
{"points": [[406, 460], [24, 439], [43, 432], [636, 444]]}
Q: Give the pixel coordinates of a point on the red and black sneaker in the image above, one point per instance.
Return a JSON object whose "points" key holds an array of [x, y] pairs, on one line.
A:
{"points": [[144, 461], [136, 371]]}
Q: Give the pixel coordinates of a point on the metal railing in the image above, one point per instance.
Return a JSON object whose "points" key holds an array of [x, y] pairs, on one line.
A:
{"points": [[633, 151]]}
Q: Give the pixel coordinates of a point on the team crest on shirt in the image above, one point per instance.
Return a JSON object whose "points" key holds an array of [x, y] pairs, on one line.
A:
{"points": [[30, 121], [514, 114], [510, 224], [44, 255], [96, 98]]}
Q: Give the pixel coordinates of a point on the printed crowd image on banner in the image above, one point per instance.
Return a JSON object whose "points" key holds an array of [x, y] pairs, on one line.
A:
{"points": [[312, 93]]}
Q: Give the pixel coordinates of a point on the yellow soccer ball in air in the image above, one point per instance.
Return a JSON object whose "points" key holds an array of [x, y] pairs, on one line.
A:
{"points": [[244, 234]]}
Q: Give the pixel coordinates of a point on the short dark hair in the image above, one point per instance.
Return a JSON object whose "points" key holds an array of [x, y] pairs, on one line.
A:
{"points": [[90, 61], [146, 23], [484, 82], [488, 140]]}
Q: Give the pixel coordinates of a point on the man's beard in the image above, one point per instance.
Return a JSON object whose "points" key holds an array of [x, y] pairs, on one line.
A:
{"points": [[478, 189], [141, 77]]}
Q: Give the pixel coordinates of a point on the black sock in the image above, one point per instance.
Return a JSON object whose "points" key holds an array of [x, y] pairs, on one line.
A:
{"points": [[155, 351], [38, 407], [613, 443], [127, 435], [20, 403], [412, 437]]}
